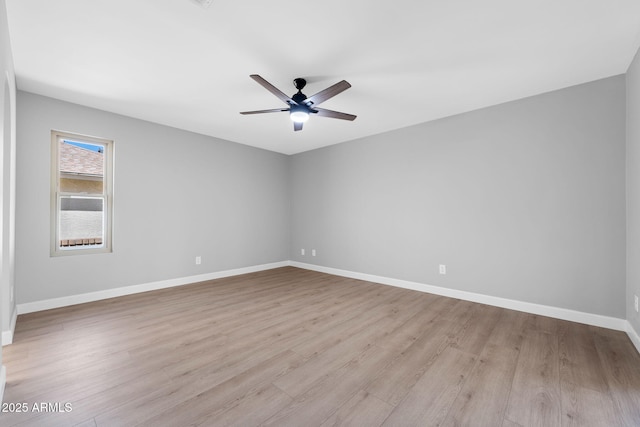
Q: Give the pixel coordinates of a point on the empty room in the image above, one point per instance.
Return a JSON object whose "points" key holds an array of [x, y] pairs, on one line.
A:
{"points": [[292, 213]]}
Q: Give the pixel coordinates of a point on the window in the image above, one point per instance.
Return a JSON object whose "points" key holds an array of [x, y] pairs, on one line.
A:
{"points": [[81, 194]]}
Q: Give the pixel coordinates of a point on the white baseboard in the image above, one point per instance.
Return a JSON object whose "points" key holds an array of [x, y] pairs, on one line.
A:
{"points": [[3, 381], [527, 307], [7, 336], [633, 335], [31, 307], [542, 310]]}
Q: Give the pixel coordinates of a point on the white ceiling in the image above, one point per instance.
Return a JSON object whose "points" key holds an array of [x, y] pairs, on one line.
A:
{"points": [[409, 61]]}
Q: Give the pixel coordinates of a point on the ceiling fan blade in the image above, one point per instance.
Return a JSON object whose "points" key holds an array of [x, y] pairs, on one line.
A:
{"points": [[334, 114], [274, 90], [273, 110], [329, 92], [297, 126]]}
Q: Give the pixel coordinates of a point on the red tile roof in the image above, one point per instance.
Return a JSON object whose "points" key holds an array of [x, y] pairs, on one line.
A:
{"points": [[78, 160]]}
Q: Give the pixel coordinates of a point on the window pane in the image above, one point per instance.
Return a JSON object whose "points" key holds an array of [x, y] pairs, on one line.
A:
{"points": [[81, 194], [81, 167], [81, 221]]}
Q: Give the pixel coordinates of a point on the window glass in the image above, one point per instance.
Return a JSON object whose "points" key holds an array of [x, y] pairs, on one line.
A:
{"points": [[81, 193]]}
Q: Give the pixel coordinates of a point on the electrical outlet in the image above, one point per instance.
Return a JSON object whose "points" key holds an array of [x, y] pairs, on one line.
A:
{"points": [[313, 252], [301, 251], [198, 260], [635, 302], [443, 269]]}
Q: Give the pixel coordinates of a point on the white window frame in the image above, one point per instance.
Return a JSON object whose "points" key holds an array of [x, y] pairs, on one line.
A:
{"points": [[57, 195]]}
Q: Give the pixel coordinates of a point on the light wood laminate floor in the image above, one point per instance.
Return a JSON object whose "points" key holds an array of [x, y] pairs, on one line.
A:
{"points": [[290, 347]]}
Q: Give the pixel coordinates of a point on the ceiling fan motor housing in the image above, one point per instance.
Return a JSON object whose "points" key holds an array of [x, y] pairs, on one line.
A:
{"points": [[299, 97]]}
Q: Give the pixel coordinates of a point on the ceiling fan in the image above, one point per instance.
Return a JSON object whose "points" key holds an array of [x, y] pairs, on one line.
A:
{"points": [[301, 106]]}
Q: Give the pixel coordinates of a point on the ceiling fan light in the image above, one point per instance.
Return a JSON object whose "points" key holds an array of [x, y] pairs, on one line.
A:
{"points": [[299, 116]]}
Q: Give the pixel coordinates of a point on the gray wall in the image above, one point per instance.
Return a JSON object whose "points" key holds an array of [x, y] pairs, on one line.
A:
{"points": [[524, 200], [633, 190], [177, 195]]}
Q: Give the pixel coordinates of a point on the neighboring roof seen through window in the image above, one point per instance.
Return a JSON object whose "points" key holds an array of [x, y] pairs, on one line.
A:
{"points": [[81, 158]]}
